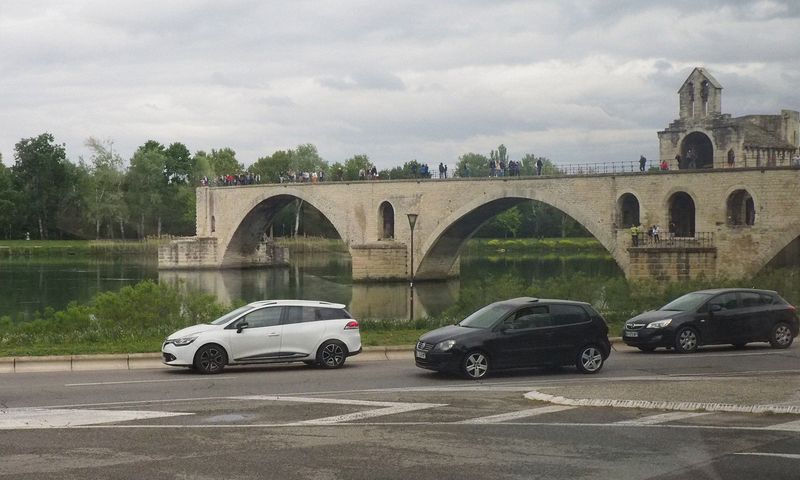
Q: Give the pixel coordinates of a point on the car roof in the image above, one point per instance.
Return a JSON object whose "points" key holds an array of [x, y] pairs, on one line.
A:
{"points": [[296, 303], [715, 291], [521, 301]]}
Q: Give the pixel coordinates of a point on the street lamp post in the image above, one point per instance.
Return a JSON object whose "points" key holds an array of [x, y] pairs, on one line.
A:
{"points": [[412, 221]]}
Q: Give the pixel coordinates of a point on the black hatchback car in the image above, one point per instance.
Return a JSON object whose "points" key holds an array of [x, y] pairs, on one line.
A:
{"points": [[727, 315], [522, 332]]}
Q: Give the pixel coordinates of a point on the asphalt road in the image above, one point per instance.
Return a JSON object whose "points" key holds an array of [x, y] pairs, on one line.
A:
{"points": [[386, 420]]}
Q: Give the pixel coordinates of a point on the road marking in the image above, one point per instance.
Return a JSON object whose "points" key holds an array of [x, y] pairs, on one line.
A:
{"points": [[147, 381], [33, 418], [787, 427], [502, 417], [706, 355], [792, 456], [662, 418], [387, 408]]}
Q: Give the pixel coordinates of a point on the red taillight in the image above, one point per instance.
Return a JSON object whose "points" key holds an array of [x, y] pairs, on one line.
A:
{"points": [[793, 308], [351, 325]]}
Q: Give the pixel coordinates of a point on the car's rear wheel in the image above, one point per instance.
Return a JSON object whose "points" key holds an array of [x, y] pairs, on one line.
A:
{"points": [[781, 336], [686, 340], [589, 359], [210, 358], [475, 365], [332, 354], [646, 349]]}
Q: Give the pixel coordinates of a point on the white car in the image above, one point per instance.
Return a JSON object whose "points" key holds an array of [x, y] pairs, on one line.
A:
{"points": [[269, 331]]}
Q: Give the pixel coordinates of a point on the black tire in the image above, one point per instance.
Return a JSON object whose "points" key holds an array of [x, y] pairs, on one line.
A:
{"points": [[589, 359], [646, 349], [210, 359], [781, 336], [331, 354], [686, 340], [475, 365]]}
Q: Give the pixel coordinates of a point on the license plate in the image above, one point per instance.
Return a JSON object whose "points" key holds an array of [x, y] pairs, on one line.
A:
{"points": [[421, 354], [631, 334]]}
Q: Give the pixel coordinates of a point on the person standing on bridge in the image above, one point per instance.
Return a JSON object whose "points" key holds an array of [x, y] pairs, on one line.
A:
{"points": [[635, 235], [642, 163], [539, 165]]}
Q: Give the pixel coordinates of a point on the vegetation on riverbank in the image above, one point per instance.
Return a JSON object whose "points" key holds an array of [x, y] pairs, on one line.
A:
{"points": [[93, 248], [138, 318]]}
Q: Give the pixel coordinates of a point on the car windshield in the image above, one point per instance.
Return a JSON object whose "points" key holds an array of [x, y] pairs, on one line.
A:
{"points": [[690, 301], [231, 315], [486, 316]]}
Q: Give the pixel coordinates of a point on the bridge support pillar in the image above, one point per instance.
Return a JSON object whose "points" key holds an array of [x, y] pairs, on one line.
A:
{"points": [[380, 261], [203, 252], [672, 264]]}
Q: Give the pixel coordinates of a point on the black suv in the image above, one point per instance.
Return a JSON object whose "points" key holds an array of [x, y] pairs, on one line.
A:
{"points": [[522, 332], [726, 315]]}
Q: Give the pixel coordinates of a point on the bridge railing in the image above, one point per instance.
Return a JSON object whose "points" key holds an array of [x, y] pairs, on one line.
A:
{"points": [[674, 240]]}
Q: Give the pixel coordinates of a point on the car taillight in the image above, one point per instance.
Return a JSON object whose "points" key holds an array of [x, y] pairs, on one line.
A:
{"points": [[351, 325], [792, 308]]}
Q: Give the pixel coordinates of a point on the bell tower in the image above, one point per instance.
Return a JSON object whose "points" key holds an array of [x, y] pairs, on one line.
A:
{"points": [[700, 96]]}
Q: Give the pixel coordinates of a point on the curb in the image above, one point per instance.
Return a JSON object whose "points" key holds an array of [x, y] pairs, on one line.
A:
{"points": [[658, 405], [136, 361]]}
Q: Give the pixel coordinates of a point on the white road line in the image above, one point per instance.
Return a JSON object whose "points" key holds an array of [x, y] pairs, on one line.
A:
{"points": [[147, 381], [706, 355], [335, 401], [32, 418], [502, 417], [662, 418], [786, 427], [792, 456]]}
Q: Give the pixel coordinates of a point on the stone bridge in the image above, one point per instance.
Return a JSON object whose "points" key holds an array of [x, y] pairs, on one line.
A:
{"points": [[725, 222]]}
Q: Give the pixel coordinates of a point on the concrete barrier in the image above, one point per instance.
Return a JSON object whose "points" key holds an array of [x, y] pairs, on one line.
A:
{"points": [[59, 363], [7, 365], [144, 360], [99, 362]]}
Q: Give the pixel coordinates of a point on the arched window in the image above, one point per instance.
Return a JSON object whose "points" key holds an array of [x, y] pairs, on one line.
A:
{"points": [[741, 209], [681, 215], [628, 210], [213, 224], [697, 151], [386, 221]]}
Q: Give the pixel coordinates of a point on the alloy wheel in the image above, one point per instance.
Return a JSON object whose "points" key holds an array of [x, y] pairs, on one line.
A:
{"points": [[476, 365], [591, 359], [332, 355]]}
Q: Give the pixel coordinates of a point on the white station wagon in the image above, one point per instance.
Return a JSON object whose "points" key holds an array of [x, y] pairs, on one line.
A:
{"points": [[269, 331]]}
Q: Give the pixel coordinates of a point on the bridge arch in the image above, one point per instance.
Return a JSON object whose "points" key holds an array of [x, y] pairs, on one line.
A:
{"points": [[682, 214], [628, 210], [697, 151], [386, 220], [251, 226], [740, 209], [442, 247]]}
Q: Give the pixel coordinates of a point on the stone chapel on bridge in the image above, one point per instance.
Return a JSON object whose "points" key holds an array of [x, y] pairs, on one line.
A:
{"points": [[704, 137]]}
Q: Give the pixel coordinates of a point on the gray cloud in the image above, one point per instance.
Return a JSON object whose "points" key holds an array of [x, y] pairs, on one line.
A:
{"points": [[574, 80]]}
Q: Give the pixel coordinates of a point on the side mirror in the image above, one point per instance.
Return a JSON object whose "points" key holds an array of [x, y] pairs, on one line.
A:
{"points": [[715, 307], [241, 326]]}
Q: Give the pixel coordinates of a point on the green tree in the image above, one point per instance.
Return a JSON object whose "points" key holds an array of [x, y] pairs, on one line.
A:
{"points": [[223, 162], [146, 185], [102, 192], [473, 165], [354, 164], [9, 199], [180, 166], [408, 170], [272, 167], [509, 221], [39, 173]]}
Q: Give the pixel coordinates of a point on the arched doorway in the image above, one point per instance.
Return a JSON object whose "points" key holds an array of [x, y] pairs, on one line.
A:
{"points": [[628, 210], [741, 209], [697, 151], [386, 217], [681, 215]]}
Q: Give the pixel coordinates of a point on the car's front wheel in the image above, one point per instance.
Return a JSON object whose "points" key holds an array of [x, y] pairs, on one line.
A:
{"points": [[331, 354], [686, 340], [475, 365], [589, 359], [781, 336], [210, 358]]}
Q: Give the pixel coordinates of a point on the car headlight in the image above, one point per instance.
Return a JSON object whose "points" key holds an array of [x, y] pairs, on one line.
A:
{"points": [[444, 346], [180, 342], [659, 323]]}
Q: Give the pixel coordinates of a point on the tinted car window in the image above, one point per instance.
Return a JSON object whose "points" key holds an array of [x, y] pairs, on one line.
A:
{"points": [[568, 314], [530, 317], [687, 302], [726, 300], [265, 317], [331, 313], [487, 316], [300, 315], [751, 299]]}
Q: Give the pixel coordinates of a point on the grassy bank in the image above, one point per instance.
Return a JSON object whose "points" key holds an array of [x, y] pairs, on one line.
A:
{"points": [[139, 317], [560, 246], [55, 248]]}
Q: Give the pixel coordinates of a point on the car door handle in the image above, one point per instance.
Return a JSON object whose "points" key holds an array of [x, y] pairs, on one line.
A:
{"points": [[273, 334]]}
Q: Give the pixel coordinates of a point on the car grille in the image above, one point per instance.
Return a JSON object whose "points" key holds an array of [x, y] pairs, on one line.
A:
{"points": [[425, 347], [633, 326]]}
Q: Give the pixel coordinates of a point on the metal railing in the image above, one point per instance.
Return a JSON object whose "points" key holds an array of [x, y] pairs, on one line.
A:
{"points": [[673, 240]]}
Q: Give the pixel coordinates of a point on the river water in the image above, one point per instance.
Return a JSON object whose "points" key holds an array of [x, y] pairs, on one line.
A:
{"points": [[28, 284]]}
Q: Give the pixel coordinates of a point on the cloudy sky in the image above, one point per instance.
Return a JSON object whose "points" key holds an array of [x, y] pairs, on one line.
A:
{"points": [[576, 81]]}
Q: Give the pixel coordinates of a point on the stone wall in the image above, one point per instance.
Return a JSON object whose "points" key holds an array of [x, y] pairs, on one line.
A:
{"points": [[671, 264], [380, 261], [194, 252]]}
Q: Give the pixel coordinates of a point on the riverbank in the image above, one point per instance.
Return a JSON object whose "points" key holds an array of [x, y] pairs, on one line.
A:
{"points": [[95, 248]]}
